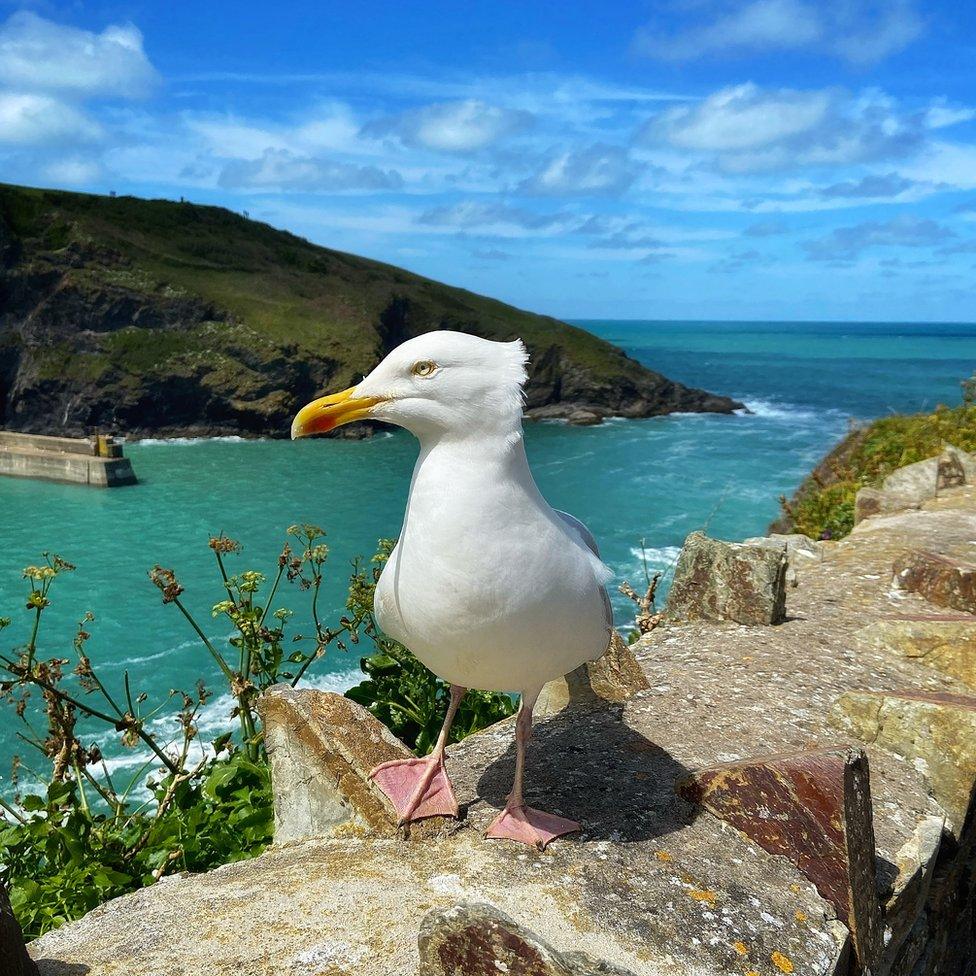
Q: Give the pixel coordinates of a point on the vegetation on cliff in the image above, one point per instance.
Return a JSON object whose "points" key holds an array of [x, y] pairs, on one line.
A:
{"points": [[151, 316], [823, 506], [80, 832]]}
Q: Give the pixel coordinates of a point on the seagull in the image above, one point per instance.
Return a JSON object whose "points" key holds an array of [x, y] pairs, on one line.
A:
{"points": [[488, 586]]}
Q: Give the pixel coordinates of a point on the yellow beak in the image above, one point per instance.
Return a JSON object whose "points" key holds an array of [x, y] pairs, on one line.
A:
{"points": [[325, 414]]}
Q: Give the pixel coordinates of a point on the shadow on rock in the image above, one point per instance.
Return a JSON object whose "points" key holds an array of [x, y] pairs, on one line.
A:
{"points": [[54, 967], [588, 765]]}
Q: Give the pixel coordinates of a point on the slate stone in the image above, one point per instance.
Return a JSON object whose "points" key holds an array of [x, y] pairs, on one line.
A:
{"points": [[612, 678], [870, 502], [715, 580], [945, 642], [814, 808], [478, 940], [935, 731], [942, 580], [322, 747]]}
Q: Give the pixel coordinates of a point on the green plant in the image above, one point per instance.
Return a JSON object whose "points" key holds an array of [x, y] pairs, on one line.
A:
{"points": [[824, 505], [85, 835]]}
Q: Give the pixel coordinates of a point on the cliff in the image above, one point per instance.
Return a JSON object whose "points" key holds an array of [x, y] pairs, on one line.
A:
{"points": [[154, 317]]}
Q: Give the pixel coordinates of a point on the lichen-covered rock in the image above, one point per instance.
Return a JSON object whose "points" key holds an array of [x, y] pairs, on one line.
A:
{"points": [[869, 502], [814, 808], [946, 643], [935, 731], [14, 960], [942, 580], [916, 483], [715, 580], [322, 747], [479, 940], [612, 678]]}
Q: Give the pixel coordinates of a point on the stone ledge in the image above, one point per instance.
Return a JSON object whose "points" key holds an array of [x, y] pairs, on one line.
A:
{"points": [[935, 731], [940, 579], [813, 808]]}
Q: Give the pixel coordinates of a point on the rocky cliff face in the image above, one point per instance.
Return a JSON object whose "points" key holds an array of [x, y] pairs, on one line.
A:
{"points": [[169, 318]]}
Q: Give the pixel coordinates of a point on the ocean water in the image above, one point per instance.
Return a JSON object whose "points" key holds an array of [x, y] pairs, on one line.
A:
{"points": [[641, 486]]}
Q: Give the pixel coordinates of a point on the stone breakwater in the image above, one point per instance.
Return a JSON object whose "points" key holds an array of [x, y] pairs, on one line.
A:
{"points": [[96, 461], [789, 794]]}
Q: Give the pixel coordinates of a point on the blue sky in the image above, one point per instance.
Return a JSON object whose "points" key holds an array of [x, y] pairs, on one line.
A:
{"points": [[770, 159]]}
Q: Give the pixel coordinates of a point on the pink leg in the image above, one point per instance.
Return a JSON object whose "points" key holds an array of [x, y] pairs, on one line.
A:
{"points": [[517, 821], [419, 788]]}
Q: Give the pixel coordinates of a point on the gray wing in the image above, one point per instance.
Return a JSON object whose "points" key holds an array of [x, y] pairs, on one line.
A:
{"points": [[585, 536]]}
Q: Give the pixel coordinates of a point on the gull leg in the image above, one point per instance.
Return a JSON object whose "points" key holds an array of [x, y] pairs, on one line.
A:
{"points": [[419, 788], [517, 821]]}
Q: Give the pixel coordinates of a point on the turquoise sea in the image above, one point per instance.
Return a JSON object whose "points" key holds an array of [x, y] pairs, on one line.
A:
{"points": [[653, 480]]}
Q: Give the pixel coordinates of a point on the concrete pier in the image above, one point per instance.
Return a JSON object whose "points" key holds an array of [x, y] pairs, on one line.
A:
{"points": [[96, 460]]}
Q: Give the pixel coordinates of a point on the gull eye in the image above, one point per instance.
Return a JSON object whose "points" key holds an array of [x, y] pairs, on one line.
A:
{"points": [[424, 368]]}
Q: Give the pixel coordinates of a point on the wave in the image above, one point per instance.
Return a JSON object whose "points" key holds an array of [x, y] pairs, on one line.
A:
{"points": [[776, 410], [656, 554], [186, 441]]}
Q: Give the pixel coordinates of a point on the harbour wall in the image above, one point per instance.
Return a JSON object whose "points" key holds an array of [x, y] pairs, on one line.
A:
{"points": [[98, 460]]}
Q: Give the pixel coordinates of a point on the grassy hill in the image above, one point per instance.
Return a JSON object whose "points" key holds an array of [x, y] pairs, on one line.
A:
{"points": [[150, 316]]}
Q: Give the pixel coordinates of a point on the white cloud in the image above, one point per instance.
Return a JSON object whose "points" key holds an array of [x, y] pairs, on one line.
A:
{"points": [[777, 24], [39, 55], [73, 170], [35, 120], [746, 128], [846, 243], [859, 31], [454, 127], [472, 214], [279, 169], [595, 171]]}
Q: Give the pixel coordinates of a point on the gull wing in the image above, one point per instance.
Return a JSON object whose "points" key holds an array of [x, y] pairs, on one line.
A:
{"points": [[579, 531]]}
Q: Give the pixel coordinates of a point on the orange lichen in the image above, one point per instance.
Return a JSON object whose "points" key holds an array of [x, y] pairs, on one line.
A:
{"points": [[663, 856], [700, 894], [783, 963], [740, 947], [800, 916]]}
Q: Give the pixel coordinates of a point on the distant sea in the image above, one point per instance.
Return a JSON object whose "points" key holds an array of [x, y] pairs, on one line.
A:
{"points": [[635, 483]]}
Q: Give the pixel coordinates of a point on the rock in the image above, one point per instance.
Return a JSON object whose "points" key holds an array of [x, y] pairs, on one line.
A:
{"points": [[869, 502], [813, 808], [966, 463], [917, 482], [934, 731], [946, 643], [906, 899], [923, 480], [716, 580], [612, 678], [14, 960], [478, 940], [321, 747], [941, 580], [585, 418], [800, 551]]}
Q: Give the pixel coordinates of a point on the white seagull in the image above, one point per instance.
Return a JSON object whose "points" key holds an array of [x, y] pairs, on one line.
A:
{"points": [[488, 585]]}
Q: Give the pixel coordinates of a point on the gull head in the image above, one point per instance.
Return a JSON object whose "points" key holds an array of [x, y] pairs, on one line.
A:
{"points": [[436, 384]]}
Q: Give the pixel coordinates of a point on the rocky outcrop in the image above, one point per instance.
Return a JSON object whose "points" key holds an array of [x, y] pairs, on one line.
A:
{"points": [[152, 317], [941, 579], [715, 580], [737, 798]]}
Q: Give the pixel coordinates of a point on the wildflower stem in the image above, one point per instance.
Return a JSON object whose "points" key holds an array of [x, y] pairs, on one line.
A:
{"points": [[221, 663]]}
